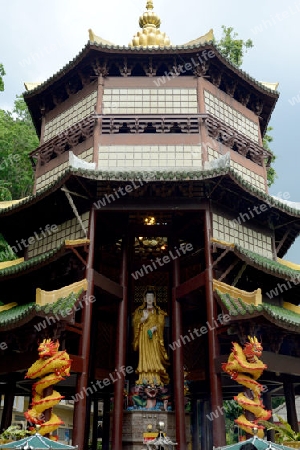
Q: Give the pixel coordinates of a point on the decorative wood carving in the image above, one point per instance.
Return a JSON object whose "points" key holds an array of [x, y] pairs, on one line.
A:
{"points": [[237, 141], [230, 86], [150, 124], [201, 69], [125, 70], [84, 78], [65, 140], [149, 68], [100, 68], [258, 106], [216, 77], [243, 96], [59, 96]]}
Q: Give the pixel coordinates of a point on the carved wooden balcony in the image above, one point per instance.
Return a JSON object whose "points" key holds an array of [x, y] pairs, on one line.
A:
{"points": [[65, 141], [236, 141], [151, 123], [137, 124]]}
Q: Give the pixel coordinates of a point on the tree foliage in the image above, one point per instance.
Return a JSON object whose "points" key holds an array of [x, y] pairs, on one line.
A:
{"points": [[231, 47], [271, 174], [284, 431], [2, 73], [6, 252], [17, 139]]}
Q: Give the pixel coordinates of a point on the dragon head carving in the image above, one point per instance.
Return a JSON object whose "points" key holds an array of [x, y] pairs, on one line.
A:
{"points": [[253, 347], [48, 348]]}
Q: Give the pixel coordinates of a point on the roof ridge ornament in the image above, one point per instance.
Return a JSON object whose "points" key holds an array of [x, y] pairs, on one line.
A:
{"points": [[150, 36]]}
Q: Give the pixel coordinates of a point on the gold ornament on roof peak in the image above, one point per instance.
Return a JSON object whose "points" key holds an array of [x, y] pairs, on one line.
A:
{"points": [[150, 35]]}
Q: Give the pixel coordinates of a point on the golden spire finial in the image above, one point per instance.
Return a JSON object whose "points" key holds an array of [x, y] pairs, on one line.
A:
{"points": [[150, 34], [149, 4]]}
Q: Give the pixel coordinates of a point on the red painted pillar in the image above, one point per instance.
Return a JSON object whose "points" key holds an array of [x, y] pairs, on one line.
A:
{"points": [[117, 426], [289, 395], [178, 363], [80, 419], [8, 403], [218, 425]]}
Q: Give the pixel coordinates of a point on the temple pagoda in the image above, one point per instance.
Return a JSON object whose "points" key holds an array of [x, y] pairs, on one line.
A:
{"points": [[150, 171]]}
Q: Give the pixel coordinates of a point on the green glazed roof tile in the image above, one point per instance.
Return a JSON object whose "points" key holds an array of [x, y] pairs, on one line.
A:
{"points": [[30, 263], [236, 308], [172, 49], [24, 313], [189, 175], [275, 267]]}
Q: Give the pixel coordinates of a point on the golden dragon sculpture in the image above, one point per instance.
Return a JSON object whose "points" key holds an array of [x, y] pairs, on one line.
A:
{"points": [[51, 367], [245, 367]]}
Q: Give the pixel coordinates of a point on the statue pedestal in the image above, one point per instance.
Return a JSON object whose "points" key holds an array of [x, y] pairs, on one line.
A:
{"points": [[135, 424]]}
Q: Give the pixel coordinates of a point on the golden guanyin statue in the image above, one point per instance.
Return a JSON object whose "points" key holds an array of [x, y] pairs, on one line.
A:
{"points": [[148, 339]]}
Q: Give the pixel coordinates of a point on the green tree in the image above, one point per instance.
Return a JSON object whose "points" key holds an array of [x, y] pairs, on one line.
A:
{"points": [[284, 431], [17, 139], [271, 174], [2, 73], [6, 252], [231, 47], [232, 411]]}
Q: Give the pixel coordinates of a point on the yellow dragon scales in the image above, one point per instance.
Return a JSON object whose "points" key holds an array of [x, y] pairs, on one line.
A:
{"points": [[51, 367], [245, 367]]}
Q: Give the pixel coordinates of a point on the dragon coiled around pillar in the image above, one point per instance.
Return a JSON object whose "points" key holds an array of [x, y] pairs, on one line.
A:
{"points": [[245, 367], [51, 367]]}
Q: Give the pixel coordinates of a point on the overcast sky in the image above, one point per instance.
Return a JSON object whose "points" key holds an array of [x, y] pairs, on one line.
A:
{"points": [[38, 38]]}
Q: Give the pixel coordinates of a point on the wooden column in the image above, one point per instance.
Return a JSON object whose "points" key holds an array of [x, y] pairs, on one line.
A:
{"points": [[218, 425], [267, 400], [178, 362], [98, 121], [106, 423], [95, 424], [206, 426], [195, 422], [117, 426], [81, 417], [8, 403], [289, 394]]}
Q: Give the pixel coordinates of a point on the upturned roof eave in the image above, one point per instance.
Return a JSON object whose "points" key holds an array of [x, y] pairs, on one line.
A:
{"points": [[31, 206], [239, 310], [22, 314], [90, 46], [262, 263], [159, 175]]}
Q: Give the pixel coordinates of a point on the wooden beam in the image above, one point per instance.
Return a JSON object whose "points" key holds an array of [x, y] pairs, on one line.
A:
{"points": [[282, 241], [25, 360], [108, 285], [232, 266], [240, 273], [222, 256], [76, 363], [84, 262], [17, 362], [281, 363], [133, 206], [74, 328], [190, 285]]}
